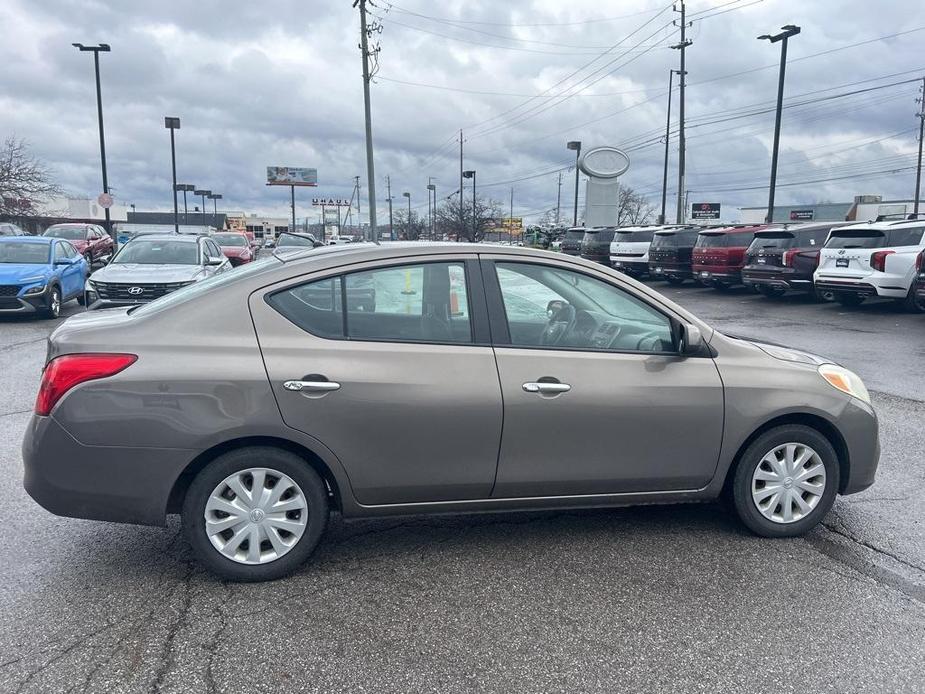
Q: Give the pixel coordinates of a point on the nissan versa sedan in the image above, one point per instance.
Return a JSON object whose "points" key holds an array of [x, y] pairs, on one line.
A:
{"points": [[484, 379]]}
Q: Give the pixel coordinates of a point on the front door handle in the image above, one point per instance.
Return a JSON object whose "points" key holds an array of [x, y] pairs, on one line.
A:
{"points": [[547, 388], [311, 386]]}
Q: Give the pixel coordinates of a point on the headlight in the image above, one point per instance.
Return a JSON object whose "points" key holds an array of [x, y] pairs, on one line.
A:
{"points": [[32, 291], [846, 381]]}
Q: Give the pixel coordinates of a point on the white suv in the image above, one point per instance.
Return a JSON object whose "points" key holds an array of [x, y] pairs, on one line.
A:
{"points": [[629, 250], [875, 259]]}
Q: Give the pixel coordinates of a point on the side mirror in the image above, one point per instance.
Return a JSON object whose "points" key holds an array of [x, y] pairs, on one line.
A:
{"points": [[691, 339], [213, 260], [317, 244]]}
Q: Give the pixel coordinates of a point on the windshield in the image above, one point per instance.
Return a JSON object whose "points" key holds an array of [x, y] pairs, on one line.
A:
{"points": [[191, 291], [773, 240], [230, 240], [24, 253], [68, 232], [856, 239], [289, 240], [635, 236], [158, 252]]}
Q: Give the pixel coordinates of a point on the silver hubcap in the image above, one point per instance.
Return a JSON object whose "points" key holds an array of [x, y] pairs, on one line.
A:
{"points": [[788, 483], [255, 516], [55, 302]]}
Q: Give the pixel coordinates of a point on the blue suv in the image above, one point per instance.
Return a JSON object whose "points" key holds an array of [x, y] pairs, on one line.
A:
{"points": [[38, 274]]}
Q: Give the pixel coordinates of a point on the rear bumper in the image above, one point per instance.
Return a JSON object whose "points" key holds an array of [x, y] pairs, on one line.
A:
{"points": [[846, 287], [124, 485], [717, 273], [632, 266], [858, 425], [603, 258], [570, 251], [781, 280], [663, 270]]}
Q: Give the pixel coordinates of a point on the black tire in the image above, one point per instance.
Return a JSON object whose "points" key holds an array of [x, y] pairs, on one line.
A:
{"points": [[53, 304], [722, 286], [742, 480], [675, 281], [823, 295], [912, 303], [849, 299], [194, 505]]}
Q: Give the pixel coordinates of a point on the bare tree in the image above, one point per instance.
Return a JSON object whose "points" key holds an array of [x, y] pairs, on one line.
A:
{"points": [[416, 229], [633, 208], [25, 182], [458, 223]]}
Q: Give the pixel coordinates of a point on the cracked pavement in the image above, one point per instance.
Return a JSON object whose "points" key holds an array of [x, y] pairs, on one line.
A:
{"points": [[673, 598]]}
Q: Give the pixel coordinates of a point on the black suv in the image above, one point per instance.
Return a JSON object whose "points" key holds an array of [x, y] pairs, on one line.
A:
{"points": [[595, 245], [785, 257], [670, 254], [571, 242]]}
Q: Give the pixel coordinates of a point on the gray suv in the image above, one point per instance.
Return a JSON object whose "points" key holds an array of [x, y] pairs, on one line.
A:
{"points": [[481, 379]]}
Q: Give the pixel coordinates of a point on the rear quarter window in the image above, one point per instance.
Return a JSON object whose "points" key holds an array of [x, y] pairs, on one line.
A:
{"points": [[906, 237]]}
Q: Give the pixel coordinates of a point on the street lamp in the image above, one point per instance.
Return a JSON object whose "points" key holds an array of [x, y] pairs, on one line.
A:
{"points": [[213, 197], [431, 188], [184, 187], [788, 31], [408, 224], [470, 174], [173, 124], [96, 50], [203, 194], [576, 145]]}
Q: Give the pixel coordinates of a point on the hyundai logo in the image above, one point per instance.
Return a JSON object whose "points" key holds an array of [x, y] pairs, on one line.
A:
{"points": [[135, 291], [841, 251]]}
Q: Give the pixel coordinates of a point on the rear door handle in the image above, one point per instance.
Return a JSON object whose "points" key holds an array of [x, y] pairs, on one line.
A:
{"points": [[311, 386], [547, 388]]}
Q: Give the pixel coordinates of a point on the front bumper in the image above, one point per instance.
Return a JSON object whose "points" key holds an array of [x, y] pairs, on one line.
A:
{"points": [[124, 485], [859, 427], [24, 304]]}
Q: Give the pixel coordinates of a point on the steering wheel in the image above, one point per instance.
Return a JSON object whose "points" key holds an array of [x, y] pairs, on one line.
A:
{"points": [[560, 323]]}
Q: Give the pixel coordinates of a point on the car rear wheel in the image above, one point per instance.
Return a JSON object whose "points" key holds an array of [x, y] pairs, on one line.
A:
{"points": [[786, 481], [53, 304], [912, 303], [255, 514], [674, 280], [849, 299]]}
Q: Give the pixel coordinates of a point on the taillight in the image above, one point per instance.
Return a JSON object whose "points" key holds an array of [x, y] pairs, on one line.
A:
{"points": [[878, 260], [920, 261], [63, 373], [788, 258]]}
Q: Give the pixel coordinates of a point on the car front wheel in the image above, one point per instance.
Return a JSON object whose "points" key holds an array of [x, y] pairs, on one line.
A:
{"points": [[786, 481], [255, 514], [53, 305]]}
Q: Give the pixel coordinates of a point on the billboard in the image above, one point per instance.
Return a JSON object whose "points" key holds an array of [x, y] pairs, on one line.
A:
{"points": [[802, 215], [513, 224], [291, 176], [705, 210]]}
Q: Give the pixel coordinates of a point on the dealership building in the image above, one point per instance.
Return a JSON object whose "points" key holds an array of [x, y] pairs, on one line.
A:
{"points": [[863, 208]]}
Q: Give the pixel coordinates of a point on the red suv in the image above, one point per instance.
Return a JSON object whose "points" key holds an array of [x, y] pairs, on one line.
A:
{"points": [[719, 254], [90, 240]]}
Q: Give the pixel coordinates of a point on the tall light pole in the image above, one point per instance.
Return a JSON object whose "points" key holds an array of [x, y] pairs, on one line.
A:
{"points": [[388, 184], [432, 190], [918, 167], [576, 145], [96, 50], [184, 187], [370, 168], [215, 197], [471, 174], [408, 223], [788, 31], [203, 194], [173, 124], [682, 142], [661, 217], [558, 198]]}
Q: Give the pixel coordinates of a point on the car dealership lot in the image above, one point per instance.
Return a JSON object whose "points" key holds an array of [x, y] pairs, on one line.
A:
{"points": [[649, 599]]}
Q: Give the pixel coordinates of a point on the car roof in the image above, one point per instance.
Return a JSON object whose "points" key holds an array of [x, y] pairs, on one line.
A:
{"points": [[884, 225], [734, 229], [70, 224], [28, 239]]}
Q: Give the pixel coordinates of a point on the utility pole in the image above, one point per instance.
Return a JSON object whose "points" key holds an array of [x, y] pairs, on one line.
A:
{"points": [[430, 219], [461, 214], [388, 186], [788, 31], [370, 167], [661, 217], [431, 187], [685, 42], [918, 168], [510, 226], [559, 199], [356, 183], [173, 124]]}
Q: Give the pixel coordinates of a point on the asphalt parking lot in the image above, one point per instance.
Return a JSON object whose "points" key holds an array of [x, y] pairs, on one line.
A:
{"points": [[649, 599]]}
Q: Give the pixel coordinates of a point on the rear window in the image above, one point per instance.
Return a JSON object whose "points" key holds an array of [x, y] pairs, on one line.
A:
{"points": [[640, 236], [856, 238], [906, 237], [599, 236], [712, 241], [576, 235], [675, 239], [774, 240]]}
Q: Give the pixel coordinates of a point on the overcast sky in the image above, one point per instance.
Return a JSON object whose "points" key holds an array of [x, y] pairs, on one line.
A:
{"points": [[279, 83]]}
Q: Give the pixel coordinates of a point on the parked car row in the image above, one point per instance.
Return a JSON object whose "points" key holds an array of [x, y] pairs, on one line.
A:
{"points": [[845, 262]]}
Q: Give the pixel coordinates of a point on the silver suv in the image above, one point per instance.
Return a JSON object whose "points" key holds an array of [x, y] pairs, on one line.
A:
{"points": [[481, 379]]}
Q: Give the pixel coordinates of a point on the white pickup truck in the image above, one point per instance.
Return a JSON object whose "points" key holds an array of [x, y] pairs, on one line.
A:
{"points": [[871, 260]]}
